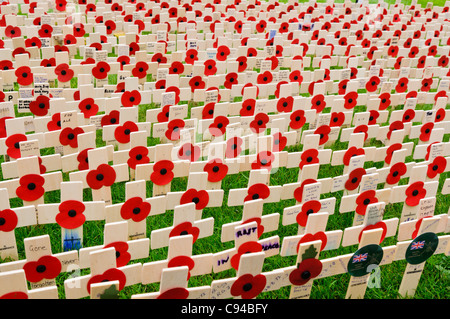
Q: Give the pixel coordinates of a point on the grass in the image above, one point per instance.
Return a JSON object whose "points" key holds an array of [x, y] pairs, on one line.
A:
{"points": [[434, 283]]}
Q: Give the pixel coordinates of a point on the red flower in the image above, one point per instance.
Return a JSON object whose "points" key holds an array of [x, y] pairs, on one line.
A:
{"points": [[432, 50], [436, 167], [308, 269], [33, 42], [279, 142], [421, 62], [8, 220], [245, 248], [174, 293], [196, 82], [258, 125], [414, 193], [191, 56], [393, 51], [248, 286], [24, 75], [55, 123], [261, 26], [111, 274], [12, 31], [443, 61], [40, 106], [354, 178], [123, 60], [298, 192], [248, 107], [230, 80], [103, 175], [31, 187], [162, 172], [122, 254], [396, 172], [391, 149], [216, 170], [309, 207], [318, 103], [408, 115], [384, 101], [323, 131], [285, 104], [6, 65], [295, 76], [394, 126], [88, 107], [380, 224], [131, 98], [440, 115], [257, 191], [185, 228], [176, 68], [78, 30], [402, 85], [45, 31], [242, 63], [111, 118], [351, 152], [135, 209], [208, 111], [68, 136], [351, 98], [372, 84], [309, 156], [264, 159], [181, 260], [133, 48], [426, 84], [362, 129], [364, 199], [64, 73], [218, 127], [70, 214], [138, 155], [189, 151], [173, 129], [122, 132], [298, 119], [82, 158], [46, 267], [222, 53], [200, 198], [61, 5], [233, 147], [100, 71], [264, 78], [158, 57], [210, 67], [425, 131]]}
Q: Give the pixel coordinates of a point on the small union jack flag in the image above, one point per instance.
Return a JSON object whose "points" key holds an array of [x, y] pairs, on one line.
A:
{"points": [[418, 245], [360, 257]]}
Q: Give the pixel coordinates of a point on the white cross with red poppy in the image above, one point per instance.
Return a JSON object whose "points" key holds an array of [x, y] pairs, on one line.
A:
{"points": [[413, 270], [429, 132], [249, 282], [179, 254], [185, 222], [71, 214], [386, 153], [41, 266], [13, 285], [166, 113], [116, 236], [311, 153], [170, 131], [11, 219], [430, 151], [101, 176], [103, 266], [135, 209]]}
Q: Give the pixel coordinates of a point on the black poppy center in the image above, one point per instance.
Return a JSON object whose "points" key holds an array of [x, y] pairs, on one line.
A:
{"points": [[72, 213], [435, 167], [163, 171], [196, 83], [132, 99], [306, 274], [220, 125], [415, 192], [2, 221], [17, 145], [215, 169], [113, 120], [395, 174], [247, 287], [127, 132], [99, 177], [41, 268], [196, 200], [184, 232], [354, 180], [309, 211], [234, 146], [24, 74], [255, 196], [31, 186], [366, 201], [136, 210], [139, 157], [427, 131], [260, 122]]}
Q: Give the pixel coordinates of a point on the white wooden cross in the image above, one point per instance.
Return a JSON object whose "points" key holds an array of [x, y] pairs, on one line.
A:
{"points": [[103, 267], [13, 285], [71, 214], [41, 266], [136, 208], [10, 219]]}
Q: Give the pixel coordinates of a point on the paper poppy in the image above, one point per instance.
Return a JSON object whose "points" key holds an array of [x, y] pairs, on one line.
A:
{"points": [[46, 267], [122, 132], [173, 129], [264, 159], [82, 158], [308, 208], [264, 78], [70, 214], [55, 123], [196, 82], [103, 175], [279, 142], [15, 295], [8, 220], [248, 107], [110, 119], [174, 293], [64, 73], [297, 119], [191, 56], [257, 191], [208, 111], [248, 286], [323, 131], [200, 198], [218, 127], [135, 209], [210, 67], [138, 155], [12, 143], [162, 172], [233, 147], [402, 85], [189, 151], [24, 75], [88, 107], [380, 224], [354, 179], [68, 136], [242, 63], [222, 53], [33, 42], [295, 76], [176, 68], [100, 71], [395, 126], [306, 270], [318, 103], [6, 65], [350, 100], [436, 167], [390, 150], [40, 105], [259, 124], [363, 200], [45, 31], [352, 152], [216, 170], [78, 30], [425, 131], [31, 187], [414, 193], [230, 80], [131, 98], [285, 104], [308, 157], [298, 192], [112, 274], [309, 237], [123, 257], [372, 84], [363, 128], [182, 260], [185, 228], [133, 48], [246, 248], [408, 115], [123, 60], [440, 115], [393, 51], [157, 57], [13, 31], [426, 84]]}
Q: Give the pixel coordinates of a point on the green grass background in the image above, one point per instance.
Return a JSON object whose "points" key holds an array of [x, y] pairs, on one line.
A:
{"points": [[434, 283]]}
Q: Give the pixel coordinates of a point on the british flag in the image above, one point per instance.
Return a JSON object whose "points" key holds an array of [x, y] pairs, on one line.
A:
{"points": [[418, 245], [360, 257]]}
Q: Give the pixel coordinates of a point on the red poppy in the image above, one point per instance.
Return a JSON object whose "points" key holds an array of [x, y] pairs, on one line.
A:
{"points": [[264, 78], [158, 57], [185, 228], [372, 84], [242, 63], [425, 131], [394, 126], [380, 224], [196, 82], [384, 101], [440, 94], [218, 127], [408, 115], [222, 53], [61, 5], [259, 124], [40, 106], [245, 248], [395, 173], [309, 207], [123, 60], [133, 48], [111, 118], [248, 286], [88, 107], [264, 159], [393, 51], [230, 80], [191, 56], [295, 76], [112, 274], [82, 158], [45, 31], [362, 129], [162, 172], [248, 107], [279, 142], [24, 75], [176, 68], [414, 193], [78, 30], [189, 151], [31, 187], [173, 129], [70, 214], [364, 199], [123, 257], [200, 198], [443, 61], [298, 192], [131, 98], [285, 104], [308, 157], [318, 103], [216, 170], [135, 209], [426, 84], [100, 71], [351, 98], [440, 115], [181, 260], [307, 269], [402, 85], [210, 67], [46, 267], [432, 50], [64, 72], [15, 295], [174, 293], [68, 136], [208, 111], [354, 178], [421, 62], [323, 131], [436, 167], [138, 155], [55, 123], [33, 42], [298, 119], [6, 65], [352, 152], [122, 132], [257, 191], [261, 26], [12, 31], [103, 175], [8, 220], [233, 148]]}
